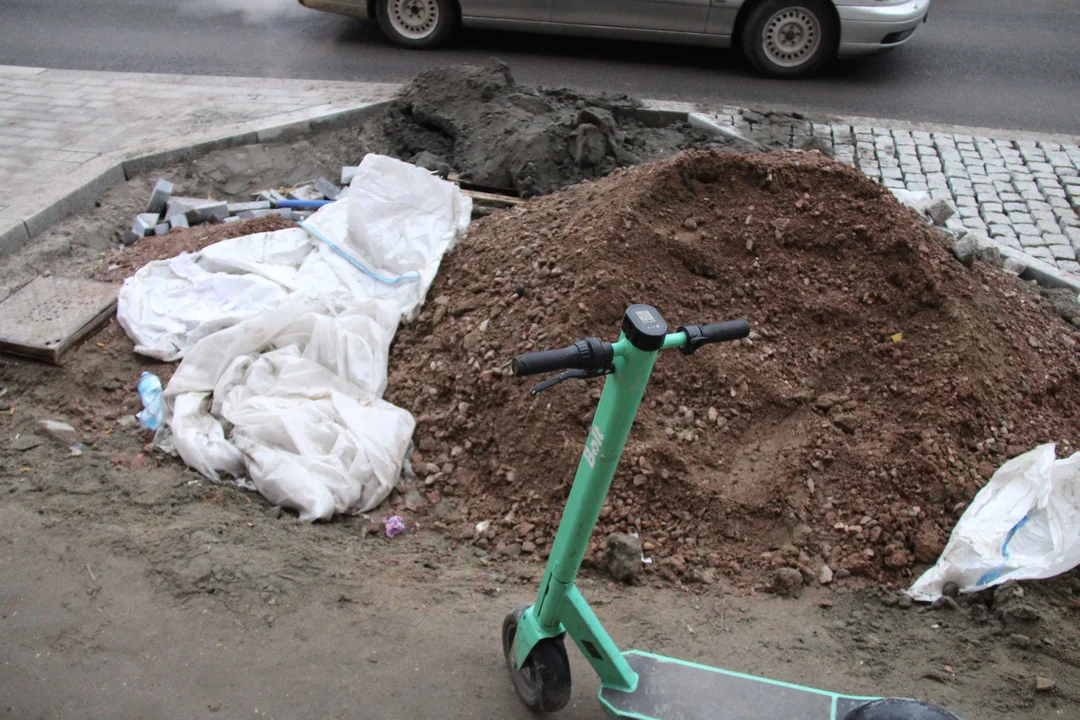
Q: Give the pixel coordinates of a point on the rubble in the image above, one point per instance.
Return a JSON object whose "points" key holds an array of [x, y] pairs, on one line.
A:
{"points": [[478, 122]]}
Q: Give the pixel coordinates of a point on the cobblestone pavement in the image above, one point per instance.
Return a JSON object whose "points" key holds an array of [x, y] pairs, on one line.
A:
{"points": [[1024, 193], [54, 123]]}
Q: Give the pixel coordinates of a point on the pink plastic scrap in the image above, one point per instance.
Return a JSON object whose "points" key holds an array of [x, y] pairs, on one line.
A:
{"points": [[395, 526]]}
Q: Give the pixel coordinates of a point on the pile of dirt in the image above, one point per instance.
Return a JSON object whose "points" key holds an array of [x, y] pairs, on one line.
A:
{"points": [[883, 384], [476, 121]]}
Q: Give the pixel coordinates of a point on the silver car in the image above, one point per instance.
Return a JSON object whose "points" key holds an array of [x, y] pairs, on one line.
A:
{"points": [[781, 38]]}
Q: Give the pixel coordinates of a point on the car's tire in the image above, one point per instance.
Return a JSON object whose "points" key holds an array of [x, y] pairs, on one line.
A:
{"points": [[417, 23], [789, 38]]}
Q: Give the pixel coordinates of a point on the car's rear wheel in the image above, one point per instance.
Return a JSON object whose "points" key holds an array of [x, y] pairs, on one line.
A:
{"points": [[417, 23], [789, 38]]}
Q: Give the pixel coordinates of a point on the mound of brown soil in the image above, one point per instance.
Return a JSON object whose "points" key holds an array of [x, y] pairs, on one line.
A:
{"points": [[883, 385]]}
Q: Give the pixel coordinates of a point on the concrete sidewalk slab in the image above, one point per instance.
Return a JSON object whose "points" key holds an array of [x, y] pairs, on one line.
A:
{"points": [[66, 135]]}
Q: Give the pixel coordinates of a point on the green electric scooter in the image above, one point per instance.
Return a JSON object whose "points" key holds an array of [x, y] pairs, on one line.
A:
{"points": [[637, 684]]}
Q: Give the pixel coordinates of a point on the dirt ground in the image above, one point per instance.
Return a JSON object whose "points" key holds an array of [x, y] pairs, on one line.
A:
{"points": [[133, 588]]}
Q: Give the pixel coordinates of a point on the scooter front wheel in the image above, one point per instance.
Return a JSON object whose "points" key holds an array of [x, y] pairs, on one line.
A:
{"points": [[543, 681], [899, 709]]}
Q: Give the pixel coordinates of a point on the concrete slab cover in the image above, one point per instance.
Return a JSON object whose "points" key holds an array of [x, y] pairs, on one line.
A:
{"points": [[49, 316]]}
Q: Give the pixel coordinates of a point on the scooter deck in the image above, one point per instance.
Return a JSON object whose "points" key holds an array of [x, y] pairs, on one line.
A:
{"points": [[670, 689]]}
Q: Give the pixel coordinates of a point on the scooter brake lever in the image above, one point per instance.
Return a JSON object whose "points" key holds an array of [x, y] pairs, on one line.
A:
{"points": [[568, 375]]}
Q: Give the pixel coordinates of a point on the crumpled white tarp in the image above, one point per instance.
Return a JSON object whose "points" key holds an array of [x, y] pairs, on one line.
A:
{"points": [[285, 338], [1023, 525]]}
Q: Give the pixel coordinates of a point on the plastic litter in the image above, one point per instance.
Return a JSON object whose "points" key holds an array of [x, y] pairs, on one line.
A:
{"points": [[394, 526], [55, 426], [150, 394], [1023, 525], [77, 449]]}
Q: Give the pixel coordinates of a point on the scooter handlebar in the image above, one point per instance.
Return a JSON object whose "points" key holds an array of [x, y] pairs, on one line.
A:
{"points": [[545, 361], [588, 354], [698, 335]]}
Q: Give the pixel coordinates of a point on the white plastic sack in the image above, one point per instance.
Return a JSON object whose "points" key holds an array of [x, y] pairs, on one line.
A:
{"points": [[1023, 525], [285, 338]]}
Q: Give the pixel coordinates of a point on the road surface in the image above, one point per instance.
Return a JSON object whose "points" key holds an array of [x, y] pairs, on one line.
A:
{"points": [[991, 63]]}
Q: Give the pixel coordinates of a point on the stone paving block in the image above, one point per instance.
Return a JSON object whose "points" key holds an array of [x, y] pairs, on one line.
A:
{"points": [[1017, 218], [1000, 230], [1066, 217], [1047, 226], [994, 218], [1043, 253], [974, 223], [1025, 229], [237, 208], [1011, 242], [966, 211], [1002, 187], [937, 181], [1074, 236], [1050, 192], [1058, 202], [1039, 204], [1049, 146], [916, 186], [893, 183], [1044, 182], [1032, 240], [1069, 266], [1010, 197], [159, 196], [1015, 207], [1062, 252], [889, 172], [1031, 194], [1057, 238], [966, 201]]}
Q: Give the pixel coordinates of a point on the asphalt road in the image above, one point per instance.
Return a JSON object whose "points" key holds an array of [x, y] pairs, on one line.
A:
{"points": [[991, 63]]}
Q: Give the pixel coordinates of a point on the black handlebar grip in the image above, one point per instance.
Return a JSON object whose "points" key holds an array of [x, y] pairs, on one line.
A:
{"points": [[698, 335], [544, 361]]}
